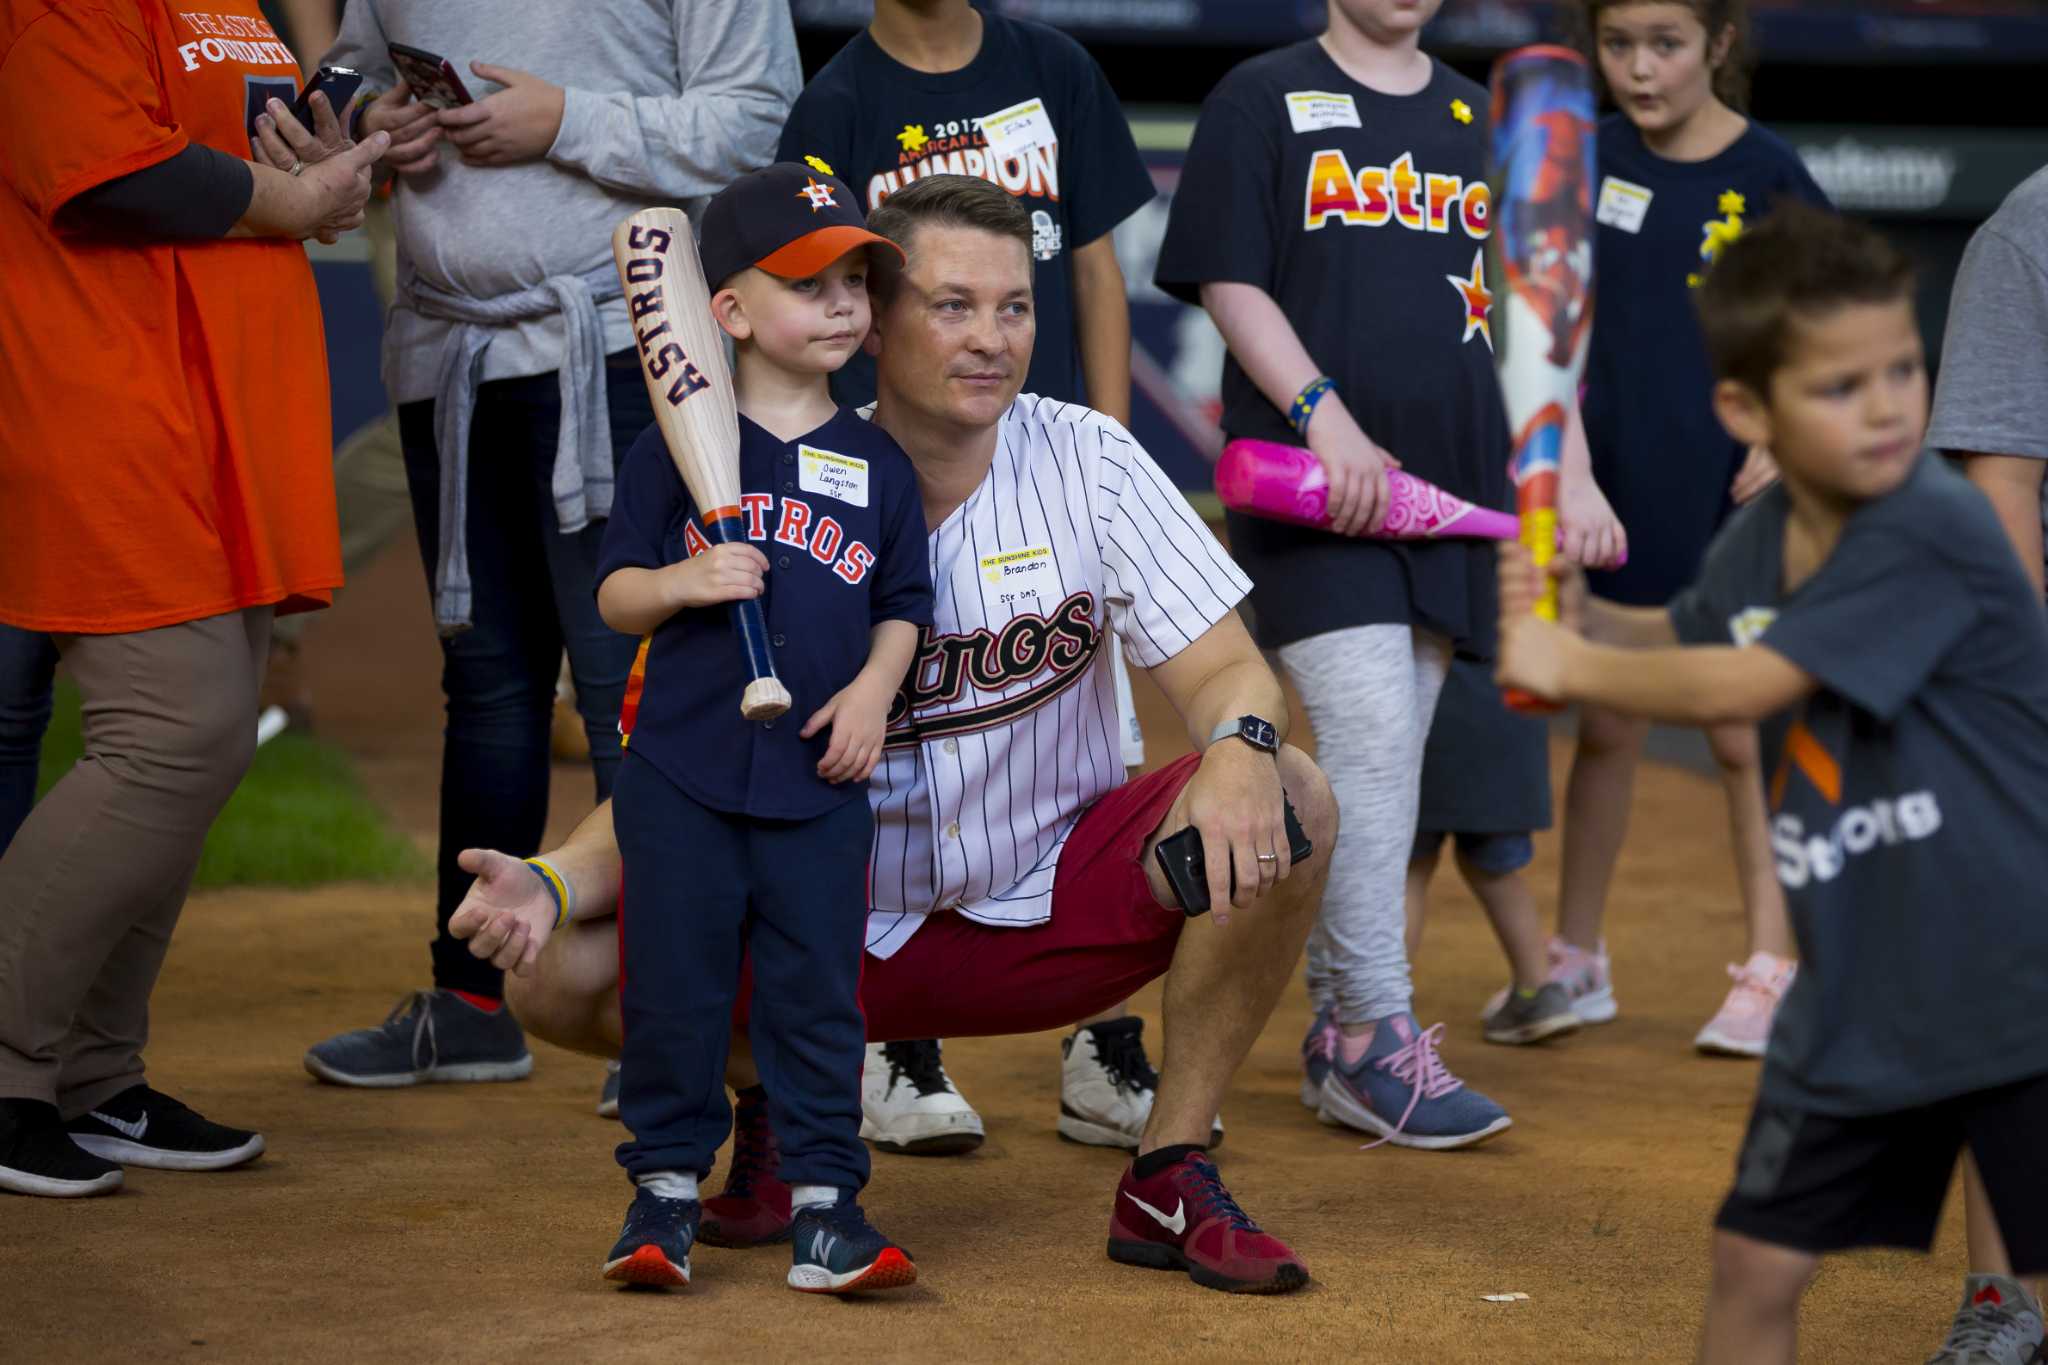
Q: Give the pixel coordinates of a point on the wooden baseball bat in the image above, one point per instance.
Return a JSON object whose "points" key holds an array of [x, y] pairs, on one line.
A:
{"points": [[1542, 256], [682, 358]]}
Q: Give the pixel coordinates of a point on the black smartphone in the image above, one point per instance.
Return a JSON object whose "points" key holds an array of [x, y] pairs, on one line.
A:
{"points": [[1180, 858], [339, 84], [432, 77]]}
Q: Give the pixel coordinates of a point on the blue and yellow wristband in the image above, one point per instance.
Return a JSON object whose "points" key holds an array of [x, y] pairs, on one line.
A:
{"points": [[1304, 405], [557, 888]]}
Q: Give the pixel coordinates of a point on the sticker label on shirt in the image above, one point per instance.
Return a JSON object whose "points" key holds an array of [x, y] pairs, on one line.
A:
{"points": [[844, 477], [1015, 131], [1010, 574], [1747, 626], [1311, 111], [1622, 204]]}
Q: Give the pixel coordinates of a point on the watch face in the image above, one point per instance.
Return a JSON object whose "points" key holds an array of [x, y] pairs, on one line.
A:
{"points": [[1259, 733]]}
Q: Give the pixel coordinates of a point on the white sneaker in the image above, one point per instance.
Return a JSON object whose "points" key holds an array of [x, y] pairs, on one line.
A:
{"points": [[908, 1103], [1107, 1085]]}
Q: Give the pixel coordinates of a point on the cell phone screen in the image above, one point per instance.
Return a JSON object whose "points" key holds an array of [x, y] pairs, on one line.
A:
{"points": [[431, 77]]}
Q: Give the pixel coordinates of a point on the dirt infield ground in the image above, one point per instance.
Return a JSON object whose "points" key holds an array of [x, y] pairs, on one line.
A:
{"points": [[467, 1223]]}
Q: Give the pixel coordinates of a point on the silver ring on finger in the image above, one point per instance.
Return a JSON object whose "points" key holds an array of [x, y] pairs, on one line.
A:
{"points": [[297, 166]]}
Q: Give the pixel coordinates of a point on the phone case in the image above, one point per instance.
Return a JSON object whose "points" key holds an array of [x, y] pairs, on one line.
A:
{"points": [[432, 78], [340, 85], [1187, 872]]}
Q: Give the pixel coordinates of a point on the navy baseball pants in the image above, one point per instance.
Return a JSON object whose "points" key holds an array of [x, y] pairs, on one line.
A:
{"points": [[704, 888]]}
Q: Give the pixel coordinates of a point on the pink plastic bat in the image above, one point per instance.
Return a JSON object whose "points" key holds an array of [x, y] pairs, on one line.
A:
{"points": [[1287, 483]]}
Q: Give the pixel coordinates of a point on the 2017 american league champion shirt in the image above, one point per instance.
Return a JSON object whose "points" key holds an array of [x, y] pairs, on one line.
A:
{"points": [[1908, 794], [1032, 112], [1365, 216]]}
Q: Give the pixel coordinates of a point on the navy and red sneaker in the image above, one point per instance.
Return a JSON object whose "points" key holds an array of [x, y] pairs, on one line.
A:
{"points": [[1183, 1219], [753, 1208]]}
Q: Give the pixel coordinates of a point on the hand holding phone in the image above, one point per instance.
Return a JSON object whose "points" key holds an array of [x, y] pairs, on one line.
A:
{"points": [[339, 84], [1181, 859], [431, 77]]}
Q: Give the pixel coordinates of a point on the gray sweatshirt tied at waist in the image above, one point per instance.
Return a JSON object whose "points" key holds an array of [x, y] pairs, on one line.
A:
{"points": [[582, 481]]}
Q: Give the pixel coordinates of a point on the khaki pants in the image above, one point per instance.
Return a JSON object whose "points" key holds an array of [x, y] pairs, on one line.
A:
{"points": [[369, 468], [95, 879]]}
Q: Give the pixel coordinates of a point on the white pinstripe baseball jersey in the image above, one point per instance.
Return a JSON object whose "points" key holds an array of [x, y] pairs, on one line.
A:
{"points": [[1007, 728]]}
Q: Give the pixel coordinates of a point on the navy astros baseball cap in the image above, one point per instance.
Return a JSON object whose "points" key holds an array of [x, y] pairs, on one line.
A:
{"points": [[790, 219]]}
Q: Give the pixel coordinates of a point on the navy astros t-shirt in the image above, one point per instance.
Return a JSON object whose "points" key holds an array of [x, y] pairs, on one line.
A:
{"points": [[1908, 795], [1365, 216], [1061, 145], [838, 515], [1659, 453]]}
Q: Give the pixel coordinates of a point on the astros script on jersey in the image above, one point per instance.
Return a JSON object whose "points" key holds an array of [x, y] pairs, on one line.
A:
{"points": [[1006, 729]]}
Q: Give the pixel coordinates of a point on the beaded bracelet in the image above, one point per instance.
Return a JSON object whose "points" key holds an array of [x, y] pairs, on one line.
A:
{"points": [[557, 888], [1304, 405]]}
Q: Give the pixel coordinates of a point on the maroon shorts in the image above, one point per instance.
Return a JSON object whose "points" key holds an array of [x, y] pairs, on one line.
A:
{"points": [[1106, 938]]}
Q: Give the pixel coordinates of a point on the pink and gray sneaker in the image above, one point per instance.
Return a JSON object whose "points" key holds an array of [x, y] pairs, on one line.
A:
{"points": [[1583, 975], [1318, 1047], [1743, 1024]]}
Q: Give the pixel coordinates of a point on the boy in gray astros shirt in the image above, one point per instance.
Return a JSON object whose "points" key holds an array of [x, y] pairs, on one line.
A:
{"points": [[1870, 616]]}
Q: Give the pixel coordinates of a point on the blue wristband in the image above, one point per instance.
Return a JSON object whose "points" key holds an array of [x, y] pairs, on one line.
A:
{"points": [[1304, 405], [557, 888]]}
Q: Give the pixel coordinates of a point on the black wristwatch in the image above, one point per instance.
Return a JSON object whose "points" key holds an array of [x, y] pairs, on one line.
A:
{"points": [[1253, 730]]}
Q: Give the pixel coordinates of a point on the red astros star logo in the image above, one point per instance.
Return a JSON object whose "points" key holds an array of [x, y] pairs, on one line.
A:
{"points": [[819, 195], [1478, 299]]}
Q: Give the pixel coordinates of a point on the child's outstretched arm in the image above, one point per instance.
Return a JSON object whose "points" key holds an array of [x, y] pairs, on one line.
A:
{"points": [[1693, 685], [1267, 346], [633, 601], [859, 712]]}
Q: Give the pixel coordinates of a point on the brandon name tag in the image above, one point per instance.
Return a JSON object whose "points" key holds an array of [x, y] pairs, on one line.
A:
{"points": [[1622, 204], [1311, 111], [836, 476], [1009, 574], [1014, 131]]}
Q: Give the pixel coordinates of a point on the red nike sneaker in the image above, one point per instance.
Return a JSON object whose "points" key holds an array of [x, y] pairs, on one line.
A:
{"points": [[753, 1208], [1183, 1219]]}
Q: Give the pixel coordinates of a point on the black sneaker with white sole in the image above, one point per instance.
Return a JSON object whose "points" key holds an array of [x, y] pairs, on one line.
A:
{"points": [[431, 1036], [38, 1157], [143, 1127]]}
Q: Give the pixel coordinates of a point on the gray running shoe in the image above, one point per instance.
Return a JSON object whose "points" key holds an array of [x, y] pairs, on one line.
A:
{"points": [[429, 1036], [1998, 1324], [608, 1098], [1544, 1013]]}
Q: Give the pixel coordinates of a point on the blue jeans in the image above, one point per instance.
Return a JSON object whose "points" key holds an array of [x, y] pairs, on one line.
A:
{"points": [[535, 595], [28, 660]]}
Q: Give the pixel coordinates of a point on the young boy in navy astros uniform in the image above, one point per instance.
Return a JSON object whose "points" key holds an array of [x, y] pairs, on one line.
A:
{"points": [[1869, 613], [751, 841]]}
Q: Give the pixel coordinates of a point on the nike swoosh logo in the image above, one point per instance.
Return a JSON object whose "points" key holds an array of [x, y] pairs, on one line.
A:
{"points": [[1176, 1225], [134, 1130]]}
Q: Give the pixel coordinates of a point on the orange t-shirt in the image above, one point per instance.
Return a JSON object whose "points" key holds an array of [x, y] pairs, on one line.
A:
{"points": [[165, 452]]}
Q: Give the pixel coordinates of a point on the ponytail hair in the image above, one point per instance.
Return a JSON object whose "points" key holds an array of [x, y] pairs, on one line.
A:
{"points": [[1717, 17]]}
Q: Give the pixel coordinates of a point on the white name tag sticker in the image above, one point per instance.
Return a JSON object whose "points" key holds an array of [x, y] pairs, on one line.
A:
{"points": [[836, 476], [1014, 131], [1622, 204], [1311, 111], [1009, 574]]}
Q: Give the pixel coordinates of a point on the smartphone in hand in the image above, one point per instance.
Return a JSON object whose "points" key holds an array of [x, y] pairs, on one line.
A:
{"points": [[432, 77], [338, 83], [1181, 859]]}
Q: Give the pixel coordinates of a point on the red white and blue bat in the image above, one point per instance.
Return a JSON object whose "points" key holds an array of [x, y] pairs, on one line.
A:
{"points": [[1542, 252], [682, 358]]}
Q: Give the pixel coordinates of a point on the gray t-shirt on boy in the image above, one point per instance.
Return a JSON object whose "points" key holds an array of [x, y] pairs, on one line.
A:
{"points": [[1908, 794], [1993, 396]]}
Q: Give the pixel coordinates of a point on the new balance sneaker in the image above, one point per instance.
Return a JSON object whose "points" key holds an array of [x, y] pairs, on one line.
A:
{"points": [[1183, 1219], [654, 1246], [1107, 1086], [835, 1250], [1318, 1046], [608, 1097], [908, 1103], [753, 1208], [143, 1127], [1401, 1091], [38, 1157], [1742, 1025], [1543, 1013], [1998, 1324], [428, 1036]]}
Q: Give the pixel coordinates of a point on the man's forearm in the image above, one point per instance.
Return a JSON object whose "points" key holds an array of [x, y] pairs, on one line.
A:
{"points": [[1102, 324], [1242, 688], [589, 864]]}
